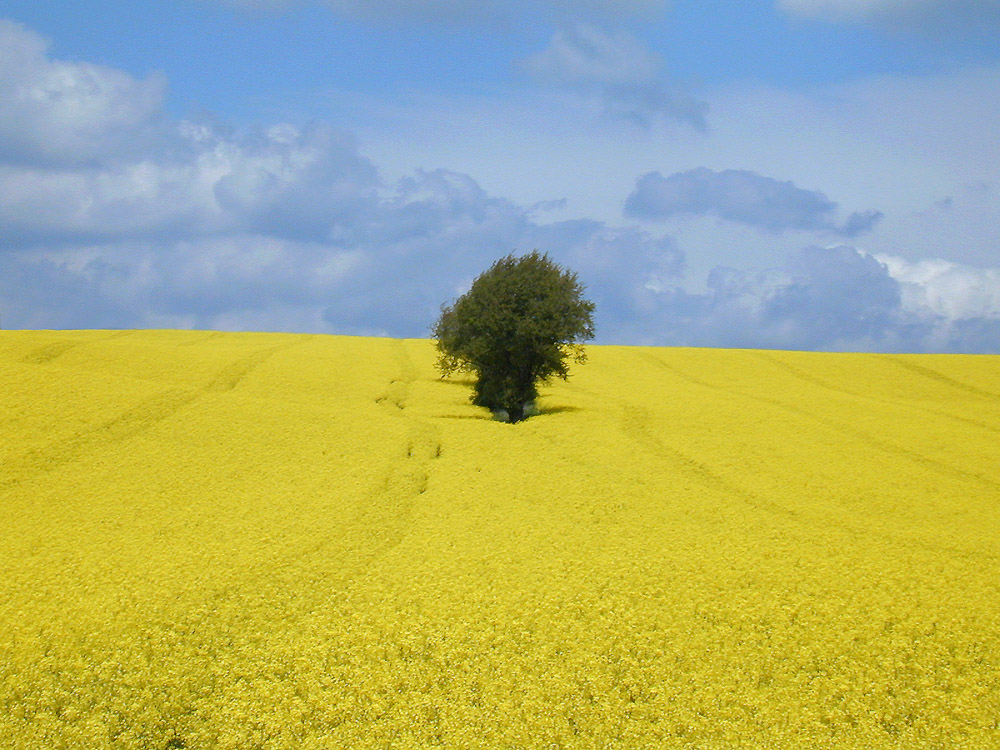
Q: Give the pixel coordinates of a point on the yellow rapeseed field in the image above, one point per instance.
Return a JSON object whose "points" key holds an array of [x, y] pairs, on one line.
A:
{"points": [[263, 541]]}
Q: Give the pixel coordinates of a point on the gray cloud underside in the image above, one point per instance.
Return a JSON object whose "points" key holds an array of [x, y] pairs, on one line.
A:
{"points": [[837, 299], [124, 218], [743, 197]]}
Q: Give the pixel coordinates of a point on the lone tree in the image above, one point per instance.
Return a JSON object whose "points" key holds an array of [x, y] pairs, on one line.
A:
{"points": [[516, 327]]}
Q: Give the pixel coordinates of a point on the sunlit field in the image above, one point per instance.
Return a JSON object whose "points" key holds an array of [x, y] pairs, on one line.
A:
{"points": [[286, 541]]}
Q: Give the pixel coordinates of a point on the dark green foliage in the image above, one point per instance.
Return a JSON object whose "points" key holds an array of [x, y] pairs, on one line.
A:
{"points": [[515, 328]]}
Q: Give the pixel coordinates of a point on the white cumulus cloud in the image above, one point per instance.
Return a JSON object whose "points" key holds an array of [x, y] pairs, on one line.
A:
{"points": [[299, 183], [952, 291], [56, 112]]}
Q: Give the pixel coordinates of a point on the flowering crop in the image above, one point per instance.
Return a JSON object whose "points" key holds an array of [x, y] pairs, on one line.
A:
{"points": [[285, 541]]}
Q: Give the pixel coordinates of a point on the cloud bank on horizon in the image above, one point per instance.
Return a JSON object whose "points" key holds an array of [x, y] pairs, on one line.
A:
{"points": [[117, 213]]}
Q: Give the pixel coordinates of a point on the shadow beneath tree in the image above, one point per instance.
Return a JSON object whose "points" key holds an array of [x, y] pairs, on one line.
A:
{"points": [[466, 382], [546, 410], [488, 417]]}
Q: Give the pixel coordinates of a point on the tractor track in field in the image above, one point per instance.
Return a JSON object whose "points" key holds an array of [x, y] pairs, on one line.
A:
{"points": [[636, 424], [940, 377], [133, 421], [813, 380], [390, 504], [334, 561], [55, 349], [863, 437], [383, 519], [49, 352]]}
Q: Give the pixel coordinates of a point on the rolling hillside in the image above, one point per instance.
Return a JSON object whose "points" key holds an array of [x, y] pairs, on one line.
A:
{"points": [[286, 541]]}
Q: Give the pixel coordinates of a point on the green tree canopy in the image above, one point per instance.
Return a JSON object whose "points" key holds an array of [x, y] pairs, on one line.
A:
{"points": [[516, 327]]}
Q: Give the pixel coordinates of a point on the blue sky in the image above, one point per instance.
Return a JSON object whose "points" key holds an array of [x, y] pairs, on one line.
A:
{"points": [[808, 174]]}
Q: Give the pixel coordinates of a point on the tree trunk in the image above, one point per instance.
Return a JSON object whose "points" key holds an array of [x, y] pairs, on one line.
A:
{"points": [[515, 412]]}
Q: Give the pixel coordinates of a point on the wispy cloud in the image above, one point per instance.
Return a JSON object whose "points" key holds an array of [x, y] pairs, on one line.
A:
{"points": [[743, 197], [930, 17], [619, 71], [462, 12]]}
